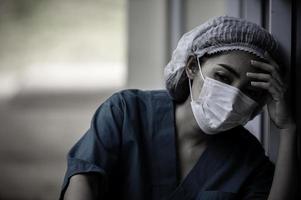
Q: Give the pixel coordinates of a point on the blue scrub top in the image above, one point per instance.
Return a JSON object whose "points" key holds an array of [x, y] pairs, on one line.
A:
{"points": [[132, 143]]}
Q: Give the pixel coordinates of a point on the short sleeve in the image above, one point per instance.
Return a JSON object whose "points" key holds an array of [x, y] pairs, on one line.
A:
{"points": [[98, 149], [258, 184]]}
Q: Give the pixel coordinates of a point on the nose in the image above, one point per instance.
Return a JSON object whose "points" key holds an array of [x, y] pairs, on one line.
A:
{"points": [[239, 84]]}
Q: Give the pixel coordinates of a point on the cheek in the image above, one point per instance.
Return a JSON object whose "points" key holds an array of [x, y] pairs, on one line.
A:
{"points": [[208, 70], [261, 101], [256, 111], [197, 87]]}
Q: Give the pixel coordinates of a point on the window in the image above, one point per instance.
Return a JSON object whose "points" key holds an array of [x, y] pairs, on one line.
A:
{"points": [[54, 46]]}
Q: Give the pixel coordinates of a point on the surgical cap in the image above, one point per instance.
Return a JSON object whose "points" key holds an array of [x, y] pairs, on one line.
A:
{"points": [[218, 34]]}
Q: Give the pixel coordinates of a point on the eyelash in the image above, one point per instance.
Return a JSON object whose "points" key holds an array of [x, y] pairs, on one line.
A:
{"points": [[222, 77]]}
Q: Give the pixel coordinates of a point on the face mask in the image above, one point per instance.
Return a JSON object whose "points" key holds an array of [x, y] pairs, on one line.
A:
{"points": [[220, 106]]}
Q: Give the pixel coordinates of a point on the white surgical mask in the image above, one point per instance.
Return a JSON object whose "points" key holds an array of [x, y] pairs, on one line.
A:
{"points": [[220, 106]]}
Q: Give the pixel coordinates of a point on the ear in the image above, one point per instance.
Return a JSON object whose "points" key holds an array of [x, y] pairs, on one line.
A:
{"points": [[191, 68]]}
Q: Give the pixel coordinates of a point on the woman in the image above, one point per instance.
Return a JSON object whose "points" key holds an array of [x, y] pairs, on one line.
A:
{"points": [[188, 142]]}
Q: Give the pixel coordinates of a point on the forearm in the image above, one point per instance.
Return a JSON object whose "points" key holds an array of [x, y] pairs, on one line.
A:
{"points": [[285, 176]]}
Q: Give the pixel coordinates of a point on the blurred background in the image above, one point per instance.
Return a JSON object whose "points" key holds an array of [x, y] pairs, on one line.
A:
{"points": [[60, 59]]}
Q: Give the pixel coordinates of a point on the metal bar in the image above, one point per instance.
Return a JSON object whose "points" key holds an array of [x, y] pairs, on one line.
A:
{"points": [[176, 22], [280, 25]]}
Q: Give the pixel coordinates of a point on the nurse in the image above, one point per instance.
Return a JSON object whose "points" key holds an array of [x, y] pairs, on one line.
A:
{"points": [[188, 141]]}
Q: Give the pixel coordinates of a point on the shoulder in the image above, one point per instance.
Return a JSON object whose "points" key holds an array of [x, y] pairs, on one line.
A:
{"points": [[250, 147], [136, 97], [239, 136], [248, 140], [130, 94], [135, 104], [244, 144]]}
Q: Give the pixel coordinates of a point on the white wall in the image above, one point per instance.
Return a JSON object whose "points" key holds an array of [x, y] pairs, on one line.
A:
{"points": [[198, 11], [146, 43], [148, 36]]}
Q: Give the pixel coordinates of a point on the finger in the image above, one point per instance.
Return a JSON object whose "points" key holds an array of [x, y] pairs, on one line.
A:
{"points": [[275, 92], [271, 60], [274, 63], [259, 76], [277, 86], [262, 65], [263, 77], [280, 89], [272, 83], [269, 68], [265, 86]]}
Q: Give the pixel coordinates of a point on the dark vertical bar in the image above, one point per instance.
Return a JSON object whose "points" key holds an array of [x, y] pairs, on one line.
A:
{"points": [[296, 81], [252, 10], [175, 23], [280, 18], [234, 8]]}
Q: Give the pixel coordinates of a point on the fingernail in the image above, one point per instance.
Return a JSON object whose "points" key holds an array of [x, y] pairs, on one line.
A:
{"points": [[248, 73]]}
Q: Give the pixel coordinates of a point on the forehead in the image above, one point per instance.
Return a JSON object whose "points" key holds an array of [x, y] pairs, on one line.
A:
{"points": [[240, 61]]}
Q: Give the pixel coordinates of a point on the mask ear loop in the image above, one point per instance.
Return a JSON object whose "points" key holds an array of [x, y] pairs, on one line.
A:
{"points": [[189, 81], [190, 88], [200, 68]]}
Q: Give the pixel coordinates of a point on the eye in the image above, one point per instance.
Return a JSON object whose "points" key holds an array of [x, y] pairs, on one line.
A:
{"points": [[223, 77]]}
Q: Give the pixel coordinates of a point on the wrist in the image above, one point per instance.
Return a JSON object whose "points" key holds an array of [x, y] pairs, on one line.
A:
{"points": [[289, 124], [288, 129]]}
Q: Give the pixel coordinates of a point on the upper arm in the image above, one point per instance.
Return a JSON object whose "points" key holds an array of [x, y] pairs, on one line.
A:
{"points": [[84, 187], [97, 151]]}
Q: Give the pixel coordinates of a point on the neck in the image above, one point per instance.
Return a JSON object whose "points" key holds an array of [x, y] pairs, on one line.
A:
{"points": [[186, 125]]}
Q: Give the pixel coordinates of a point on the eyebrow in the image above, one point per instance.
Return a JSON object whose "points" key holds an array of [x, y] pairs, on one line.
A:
{"points": [[229, 68]]}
